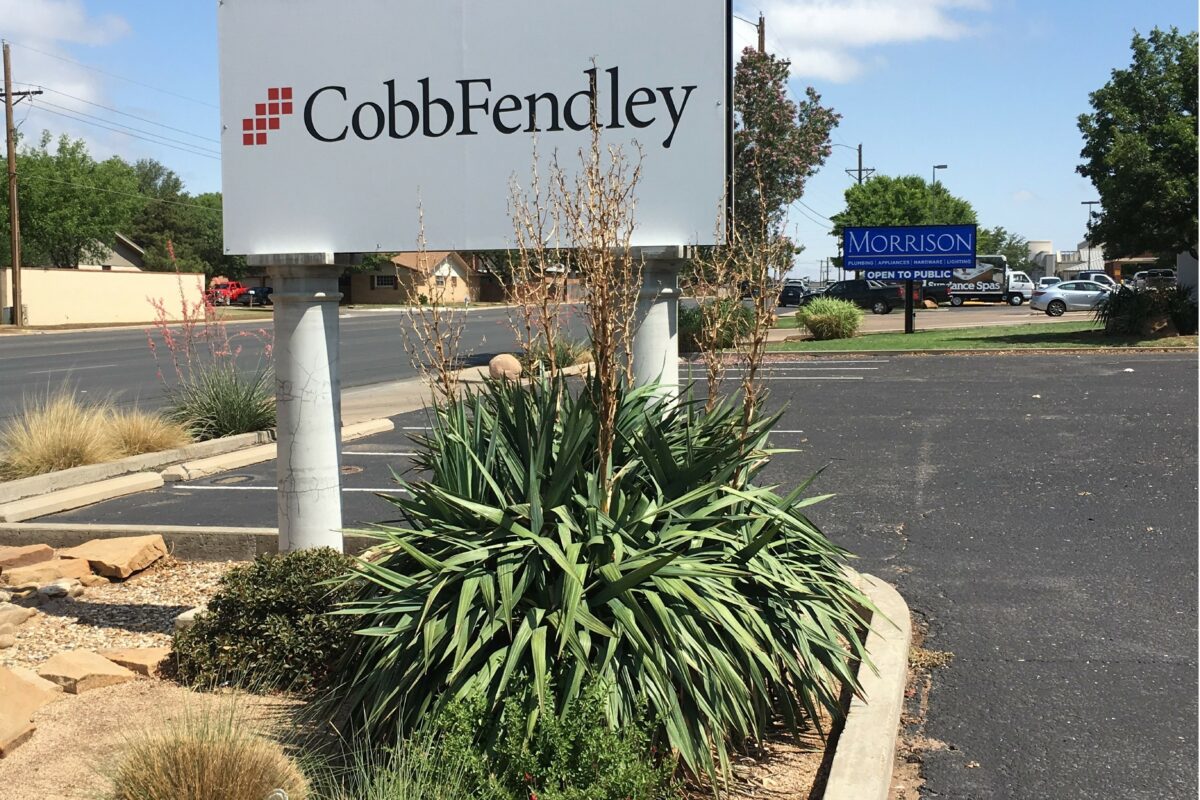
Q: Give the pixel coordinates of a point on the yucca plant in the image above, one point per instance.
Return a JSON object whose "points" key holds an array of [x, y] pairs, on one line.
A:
{"points": [[701, 598], [217, 400]]}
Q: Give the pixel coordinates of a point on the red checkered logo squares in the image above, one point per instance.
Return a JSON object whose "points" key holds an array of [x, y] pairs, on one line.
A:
{"points": [[266, 116]]}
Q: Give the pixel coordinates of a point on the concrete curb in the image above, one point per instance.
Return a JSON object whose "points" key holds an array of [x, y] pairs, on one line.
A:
{"points": [[191, 470], [183, 541], [78, 476], [78, 496], [866, 749]]}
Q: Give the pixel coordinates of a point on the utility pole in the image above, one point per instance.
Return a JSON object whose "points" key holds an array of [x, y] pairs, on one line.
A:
{"points": [[860, 174], [762, 35], [14, 217]]}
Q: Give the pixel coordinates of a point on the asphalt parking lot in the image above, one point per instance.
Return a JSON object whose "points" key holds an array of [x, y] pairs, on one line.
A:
{"points": [[1038, 513]]}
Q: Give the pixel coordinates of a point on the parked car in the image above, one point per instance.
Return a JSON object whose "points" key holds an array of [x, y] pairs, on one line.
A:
{"points": [[1096, 276], [1069, 296], [878, 297], [1048, 281], [255, 296], [795, 294], [1154, 279], [222, 294]]}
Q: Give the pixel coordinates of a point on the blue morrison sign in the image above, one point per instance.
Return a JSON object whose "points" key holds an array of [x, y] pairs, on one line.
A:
{"points": [[910, 252]]}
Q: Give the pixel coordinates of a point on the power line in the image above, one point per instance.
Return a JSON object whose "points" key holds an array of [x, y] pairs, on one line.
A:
{"points": [[126, 114], [813, 210], [42, 103], [202, 153], [115, 75], [115, 191]]}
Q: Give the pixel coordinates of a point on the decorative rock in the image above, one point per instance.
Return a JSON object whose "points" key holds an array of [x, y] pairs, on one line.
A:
{"points": [[504, 366], [5, 597], [24, 556], [18, 701], [52, 691], [94, 580], [930, 304], [79, 671], [188, 618], [8, 629], [14, 615], [7, 641], [46, 572], [121, 557], [64, 587], [142, 660]]}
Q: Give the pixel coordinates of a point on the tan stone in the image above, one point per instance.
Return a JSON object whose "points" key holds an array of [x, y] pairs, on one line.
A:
{"points": [[120, 557], [142, 660], [27, 676], [13, 734], [94, 580], [18, 701], [504, 366], [79, 671], [46, 572], [7, 640], [13, 614], [930, 304], [24, 556]]}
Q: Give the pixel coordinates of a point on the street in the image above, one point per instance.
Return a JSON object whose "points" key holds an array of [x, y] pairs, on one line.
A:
{"points": [[1038, 513], [118, 363]]}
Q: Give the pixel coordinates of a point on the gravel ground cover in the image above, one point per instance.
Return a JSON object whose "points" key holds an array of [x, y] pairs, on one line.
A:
{"points": [[138, 612]]}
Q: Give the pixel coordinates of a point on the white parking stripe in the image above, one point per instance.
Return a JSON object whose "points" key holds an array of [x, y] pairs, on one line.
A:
{"points": [[353, 453], [812, 377], [810, 369], [189, 487]]}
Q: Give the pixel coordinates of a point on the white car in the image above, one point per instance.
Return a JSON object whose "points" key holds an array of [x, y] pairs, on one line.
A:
{"points": [[1069, 296], [1048, 281]]}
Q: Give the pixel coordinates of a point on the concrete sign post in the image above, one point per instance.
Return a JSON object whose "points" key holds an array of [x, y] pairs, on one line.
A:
{"points": [[308, 398], [656, 340]]}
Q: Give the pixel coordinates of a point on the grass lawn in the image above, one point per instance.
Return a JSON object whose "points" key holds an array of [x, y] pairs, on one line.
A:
{"points": [[1056, 335], [787, 322]]}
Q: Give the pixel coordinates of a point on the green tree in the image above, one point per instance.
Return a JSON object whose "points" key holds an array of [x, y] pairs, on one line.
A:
{"points": [[778, 143], [71, 205], [906, 200], [1140, 148], [998, 241]]}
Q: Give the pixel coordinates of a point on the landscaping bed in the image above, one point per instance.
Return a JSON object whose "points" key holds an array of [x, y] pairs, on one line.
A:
{"points": [[1049, 336]]}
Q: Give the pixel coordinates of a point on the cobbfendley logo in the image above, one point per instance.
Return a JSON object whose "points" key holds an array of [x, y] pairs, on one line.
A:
{"points": [[473, 107]]}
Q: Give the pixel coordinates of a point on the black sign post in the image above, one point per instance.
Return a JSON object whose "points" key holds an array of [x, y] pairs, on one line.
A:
{"points": [[909, 314]]}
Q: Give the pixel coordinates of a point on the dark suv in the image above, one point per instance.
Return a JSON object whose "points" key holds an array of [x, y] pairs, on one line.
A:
{"points": [[880, 298]]}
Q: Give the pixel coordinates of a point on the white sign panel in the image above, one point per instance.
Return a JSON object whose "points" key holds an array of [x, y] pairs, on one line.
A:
{"points": [[341, 116]]}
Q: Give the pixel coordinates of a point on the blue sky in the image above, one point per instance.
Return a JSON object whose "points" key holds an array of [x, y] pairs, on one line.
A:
{"points": [[991, 88]]}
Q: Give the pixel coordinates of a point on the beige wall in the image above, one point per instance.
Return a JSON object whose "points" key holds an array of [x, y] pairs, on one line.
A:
{"points": [[459, 287], [81, 297]]}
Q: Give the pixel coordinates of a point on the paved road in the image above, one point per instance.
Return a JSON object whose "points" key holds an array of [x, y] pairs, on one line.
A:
{"points": [[1037, 512], [118, 363]]}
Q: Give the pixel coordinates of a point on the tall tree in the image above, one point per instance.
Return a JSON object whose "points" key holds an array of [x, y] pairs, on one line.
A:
{"points": [[1140, 149], [778, 143], [71, 205], [905, 200]]}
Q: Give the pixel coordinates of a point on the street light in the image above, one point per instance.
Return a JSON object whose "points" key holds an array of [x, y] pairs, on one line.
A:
{"points": [[1089, 204], [936, 167]]}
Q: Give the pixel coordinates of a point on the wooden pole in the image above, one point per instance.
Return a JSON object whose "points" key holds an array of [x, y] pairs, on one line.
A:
{"points": [[14, 217]]}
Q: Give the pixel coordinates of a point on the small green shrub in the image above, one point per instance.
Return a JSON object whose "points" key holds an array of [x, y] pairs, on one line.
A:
{"points": [[567, 353], [570, 756], [827, 318], [738, 322], [1183, 310], [268, 626], [419, 768], [1143, 312], [217, 400]]}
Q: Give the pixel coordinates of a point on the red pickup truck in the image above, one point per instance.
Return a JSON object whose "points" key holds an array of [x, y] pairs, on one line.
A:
{"points": [[222, 294]]}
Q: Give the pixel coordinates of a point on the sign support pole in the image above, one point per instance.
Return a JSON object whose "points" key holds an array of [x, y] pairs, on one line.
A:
{"points": [[908, 307], [308, 399], [656, 341]]}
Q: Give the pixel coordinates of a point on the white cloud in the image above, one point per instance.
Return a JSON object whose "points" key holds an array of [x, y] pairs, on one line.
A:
{"points": [[40, 32], [58, 21], [1023, 196], [824, 39]]}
